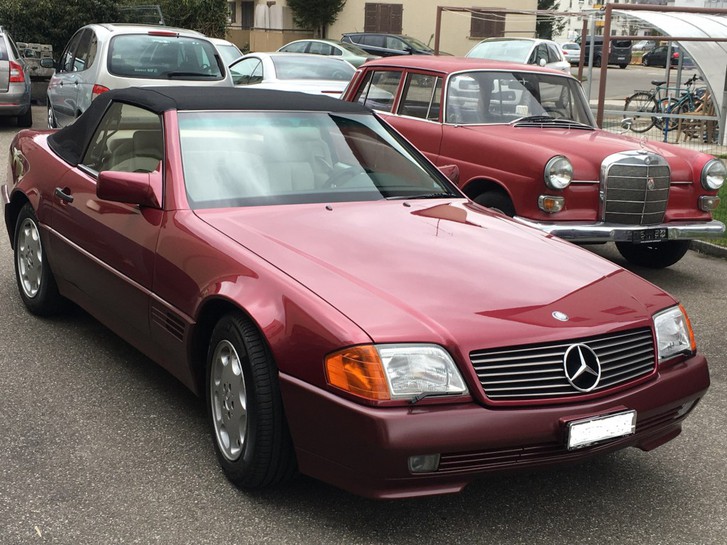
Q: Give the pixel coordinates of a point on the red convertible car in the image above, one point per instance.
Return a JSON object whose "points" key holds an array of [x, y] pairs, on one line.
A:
{"points": [[344, 310], [525, 143]]}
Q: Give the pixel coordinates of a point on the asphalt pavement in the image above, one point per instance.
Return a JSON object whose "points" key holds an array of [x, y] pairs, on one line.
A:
{"points": [[99, 446]]}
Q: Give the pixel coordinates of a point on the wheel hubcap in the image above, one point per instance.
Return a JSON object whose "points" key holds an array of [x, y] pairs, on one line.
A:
{"points": [[30, 258], [228, 397]]}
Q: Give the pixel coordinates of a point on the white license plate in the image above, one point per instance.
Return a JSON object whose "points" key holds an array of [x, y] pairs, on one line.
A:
{"points": [[588, 431]]}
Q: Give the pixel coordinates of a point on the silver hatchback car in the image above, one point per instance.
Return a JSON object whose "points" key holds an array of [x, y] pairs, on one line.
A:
{"points": [[14, 82], [100, 57]]}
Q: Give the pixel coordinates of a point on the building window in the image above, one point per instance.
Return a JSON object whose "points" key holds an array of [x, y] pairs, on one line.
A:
{"points": [[383, 18], [231, 13], [486, 24], [248, 14]]}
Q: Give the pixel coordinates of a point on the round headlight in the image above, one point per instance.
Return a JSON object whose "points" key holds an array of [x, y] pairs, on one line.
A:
{"points": [[558, 172], [713, 175]]}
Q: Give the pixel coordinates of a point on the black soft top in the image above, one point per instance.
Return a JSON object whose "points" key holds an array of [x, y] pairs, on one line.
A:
{"points": [[71, 142]]}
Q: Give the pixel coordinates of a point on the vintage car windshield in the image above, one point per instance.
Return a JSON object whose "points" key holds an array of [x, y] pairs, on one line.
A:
{"points": [[490, 97], [503, 50], [264, 158]]}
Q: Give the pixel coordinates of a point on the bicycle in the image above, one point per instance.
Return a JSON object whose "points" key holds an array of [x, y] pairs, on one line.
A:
{"points": [[657, 101]]}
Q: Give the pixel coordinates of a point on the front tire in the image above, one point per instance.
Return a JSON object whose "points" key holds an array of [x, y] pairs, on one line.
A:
{"points": [[52, 123], [497, 201], [655, 255], [36, 283], [249, 429]]}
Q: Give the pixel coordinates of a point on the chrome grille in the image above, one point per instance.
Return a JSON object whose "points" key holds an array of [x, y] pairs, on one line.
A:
{"points": [[635, 188], [536, 372]]}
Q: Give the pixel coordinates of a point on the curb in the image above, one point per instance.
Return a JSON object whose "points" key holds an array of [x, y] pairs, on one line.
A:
{"points": [[708, 248]]}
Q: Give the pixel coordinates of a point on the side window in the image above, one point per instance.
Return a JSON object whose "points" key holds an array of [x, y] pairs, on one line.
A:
{"points": [[541, 53], [396, 44], [421, 97], [553, 53], [247, 71], [321, 49], [69, 51], [379, 91], [128, 139], [296, 48], [85, 51]]}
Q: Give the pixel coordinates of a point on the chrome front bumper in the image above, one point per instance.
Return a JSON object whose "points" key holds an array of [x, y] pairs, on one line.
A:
{"points": [[609, 232]]}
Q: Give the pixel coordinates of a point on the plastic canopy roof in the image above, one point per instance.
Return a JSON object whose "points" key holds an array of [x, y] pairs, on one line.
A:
{"points": [[709, 57]]}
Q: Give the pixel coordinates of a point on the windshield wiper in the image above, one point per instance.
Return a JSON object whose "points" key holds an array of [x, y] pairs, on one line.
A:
{"points": [[421, 196], [549, 119]]}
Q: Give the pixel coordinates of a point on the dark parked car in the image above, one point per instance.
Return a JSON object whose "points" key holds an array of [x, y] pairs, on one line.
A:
{"points": [[387, 45], [657, 57], [619, 51], [15, 85], [525, 143], [341, 307]]}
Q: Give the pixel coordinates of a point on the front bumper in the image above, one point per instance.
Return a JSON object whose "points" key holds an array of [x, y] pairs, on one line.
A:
{"points": [[609, 232], [365, 450]]}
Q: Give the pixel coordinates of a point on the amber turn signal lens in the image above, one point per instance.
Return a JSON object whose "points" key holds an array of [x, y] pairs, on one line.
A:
{"points": [[358, 370], [692, 341]]}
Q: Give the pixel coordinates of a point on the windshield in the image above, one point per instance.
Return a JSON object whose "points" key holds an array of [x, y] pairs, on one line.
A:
{"points": [[313, 67], [419, 45], [489, 97], [233, 159], [152, 56], [503, 50]]}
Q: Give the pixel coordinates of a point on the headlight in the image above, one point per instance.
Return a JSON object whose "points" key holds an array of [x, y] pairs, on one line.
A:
{"points": [[674, 333], [713, 175], [558, 172], [395, 371]]}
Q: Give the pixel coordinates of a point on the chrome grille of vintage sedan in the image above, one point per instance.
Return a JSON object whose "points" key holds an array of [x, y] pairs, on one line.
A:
{"points": [[538, 372], [634, 188]]}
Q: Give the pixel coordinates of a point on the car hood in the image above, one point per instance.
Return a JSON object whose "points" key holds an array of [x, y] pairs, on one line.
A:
{"points": [[585, 148], [442, 271]]}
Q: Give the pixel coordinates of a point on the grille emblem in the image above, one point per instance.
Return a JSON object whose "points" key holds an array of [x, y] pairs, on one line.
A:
{"points": [[582, 367], [560, 316], [650, 184]]}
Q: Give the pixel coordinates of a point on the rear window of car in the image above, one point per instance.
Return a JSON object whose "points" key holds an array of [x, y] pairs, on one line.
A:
{"points": [[151, 56], [621, 43], [312, 68]]}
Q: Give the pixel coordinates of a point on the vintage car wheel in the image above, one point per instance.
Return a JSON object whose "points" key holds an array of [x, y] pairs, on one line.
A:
{"points": [[250, 434], [497, 201], [655, 255], [36, 283]]}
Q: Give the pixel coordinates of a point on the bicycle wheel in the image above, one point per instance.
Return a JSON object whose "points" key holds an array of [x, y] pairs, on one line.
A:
{"points": [[640, 108], [667, 106]]}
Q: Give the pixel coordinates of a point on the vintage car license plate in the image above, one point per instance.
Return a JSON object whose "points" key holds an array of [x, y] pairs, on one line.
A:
{"points": [[649, 235], [582, 433]]}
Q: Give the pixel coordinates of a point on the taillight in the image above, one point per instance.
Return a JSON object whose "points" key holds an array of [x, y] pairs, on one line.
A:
{"points": [[97, 90], [16, 73]]}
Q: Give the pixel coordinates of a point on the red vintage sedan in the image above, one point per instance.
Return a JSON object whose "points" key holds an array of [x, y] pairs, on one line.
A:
{"points": [[525, 143], [343, 309]]}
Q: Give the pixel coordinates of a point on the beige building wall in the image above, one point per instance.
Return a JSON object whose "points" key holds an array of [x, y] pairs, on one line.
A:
{"points": [[273, 22], [419, 20]]}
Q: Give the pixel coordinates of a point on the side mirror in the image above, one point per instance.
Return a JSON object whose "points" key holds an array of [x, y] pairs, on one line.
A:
{"points": [[142, 188], [451, 172], [542, 62]]}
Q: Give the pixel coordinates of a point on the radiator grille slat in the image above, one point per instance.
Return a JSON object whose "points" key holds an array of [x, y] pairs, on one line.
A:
{"points": [[533, 372]]}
